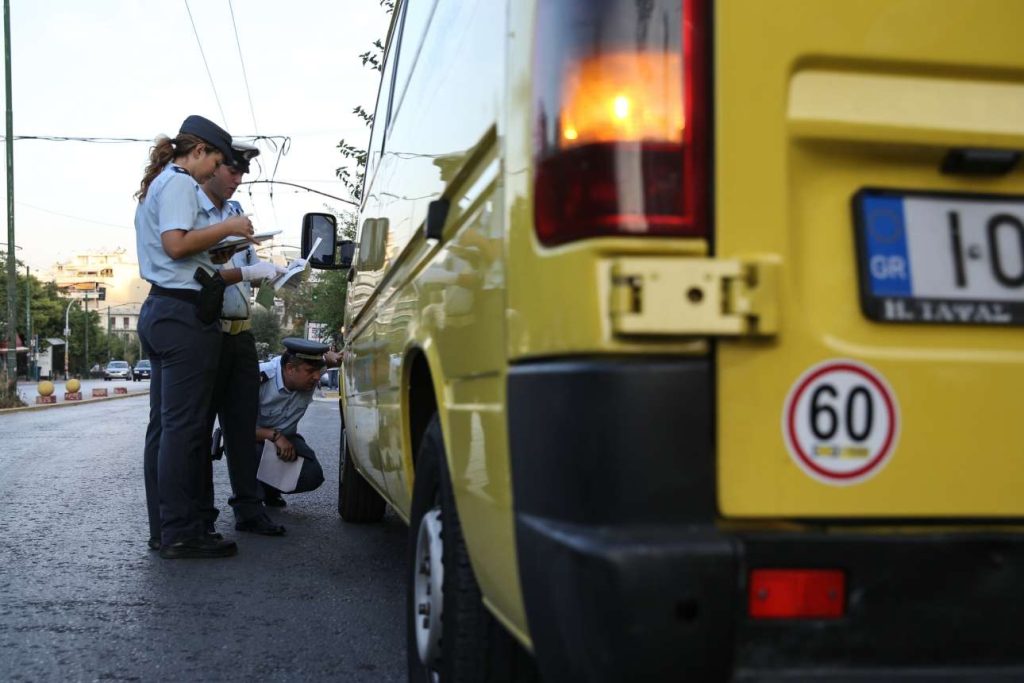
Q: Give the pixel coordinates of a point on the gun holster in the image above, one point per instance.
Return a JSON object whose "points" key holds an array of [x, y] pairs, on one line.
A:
{"points": [[211, 296]]}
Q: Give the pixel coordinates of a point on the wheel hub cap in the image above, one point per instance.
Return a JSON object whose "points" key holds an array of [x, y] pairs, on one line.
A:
{"points": [[428, 596]]}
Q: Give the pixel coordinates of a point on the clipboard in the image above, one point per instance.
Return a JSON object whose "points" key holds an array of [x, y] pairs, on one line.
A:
{"points": [[234, 242]]}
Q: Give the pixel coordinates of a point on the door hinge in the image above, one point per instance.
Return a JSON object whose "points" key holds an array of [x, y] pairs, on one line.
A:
{"points": [[695, 296]]}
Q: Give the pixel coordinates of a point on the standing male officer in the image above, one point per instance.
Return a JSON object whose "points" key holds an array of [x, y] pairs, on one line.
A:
{"points": [[236, 390], [286, 389]]}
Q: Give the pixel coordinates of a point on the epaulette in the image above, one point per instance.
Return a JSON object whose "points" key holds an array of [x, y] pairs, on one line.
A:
{"points": [[179, 169], [263, 377]]}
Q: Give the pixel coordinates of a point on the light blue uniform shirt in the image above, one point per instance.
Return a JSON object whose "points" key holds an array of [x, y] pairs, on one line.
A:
{"points": [[280, 408], [236, 296], [170, 204]]}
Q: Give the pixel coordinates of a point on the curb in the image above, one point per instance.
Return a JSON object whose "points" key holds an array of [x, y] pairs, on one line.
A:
{"points": [[65, 404]]}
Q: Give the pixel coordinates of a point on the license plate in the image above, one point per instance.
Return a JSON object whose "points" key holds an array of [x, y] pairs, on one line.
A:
{"points": [[948, 259]]}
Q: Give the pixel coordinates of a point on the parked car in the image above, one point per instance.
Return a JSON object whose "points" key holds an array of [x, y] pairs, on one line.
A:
{"points": [[141, 370], [329, 379], [117, 369], [686, 336]]}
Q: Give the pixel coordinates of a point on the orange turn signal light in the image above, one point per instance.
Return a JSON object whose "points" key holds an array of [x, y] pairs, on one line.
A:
{"points": [[623, 97], [797, 593]]}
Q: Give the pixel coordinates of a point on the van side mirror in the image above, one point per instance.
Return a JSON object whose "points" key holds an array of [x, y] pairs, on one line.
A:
{"points": [[322, 226]]}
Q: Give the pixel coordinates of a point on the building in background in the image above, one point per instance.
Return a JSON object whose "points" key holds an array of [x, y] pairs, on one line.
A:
{"points": [[106, 281]]}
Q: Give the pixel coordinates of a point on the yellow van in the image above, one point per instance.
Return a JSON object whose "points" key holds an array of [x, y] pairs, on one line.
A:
{"points": [[686, 336]]}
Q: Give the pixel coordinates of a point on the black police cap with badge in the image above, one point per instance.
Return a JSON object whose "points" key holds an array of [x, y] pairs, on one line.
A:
{"points": [[305, 350], [242, 154], [209, 132]]}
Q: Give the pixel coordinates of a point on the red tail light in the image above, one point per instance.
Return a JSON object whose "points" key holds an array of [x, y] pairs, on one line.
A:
{"points": [[797, 593], [620, 119]]}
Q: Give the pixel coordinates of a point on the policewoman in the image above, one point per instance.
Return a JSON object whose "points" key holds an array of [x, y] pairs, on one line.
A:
{"points": [[286, 390], [236, 390], [179, 326]]}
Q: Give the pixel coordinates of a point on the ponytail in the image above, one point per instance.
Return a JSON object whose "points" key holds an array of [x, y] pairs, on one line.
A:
{"points": [[164, 151]]}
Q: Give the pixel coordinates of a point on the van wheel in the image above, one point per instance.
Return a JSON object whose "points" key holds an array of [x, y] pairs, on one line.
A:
{"points": [[358, 502], [450, 635]]}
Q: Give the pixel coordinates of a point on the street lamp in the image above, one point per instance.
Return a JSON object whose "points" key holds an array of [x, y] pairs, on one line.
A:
{"points": [[67, 337]]}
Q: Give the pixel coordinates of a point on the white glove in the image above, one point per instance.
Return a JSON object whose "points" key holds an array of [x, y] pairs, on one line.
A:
{"points": [[298, 263], [260, 270]]}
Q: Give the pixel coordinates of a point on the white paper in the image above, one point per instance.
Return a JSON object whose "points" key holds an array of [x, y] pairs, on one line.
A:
{"points": [[285, 278], [282, 475]]}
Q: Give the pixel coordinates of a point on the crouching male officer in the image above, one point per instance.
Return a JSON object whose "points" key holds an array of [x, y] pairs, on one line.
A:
{"points": [[286, 389]]}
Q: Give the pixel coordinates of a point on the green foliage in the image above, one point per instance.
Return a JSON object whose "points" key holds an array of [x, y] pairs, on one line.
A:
{"points": [[46, 308], [266, 329], [374, 57], [9, 397], [319, 298], [353, 180]]}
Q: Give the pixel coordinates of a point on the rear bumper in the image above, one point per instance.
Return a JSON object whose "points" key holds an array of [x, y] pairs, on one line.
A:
{"points": [[626, 577]]}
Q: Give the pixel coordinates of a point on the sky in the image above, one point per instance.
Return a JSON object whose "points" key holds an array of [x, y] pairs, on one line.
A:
{"points": [[133, 68]]}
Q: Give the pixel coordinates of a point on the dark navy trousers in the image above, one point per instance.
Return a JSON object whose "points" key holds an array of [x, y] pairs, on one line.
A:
{"points": [[184, 354], [236, 403]]}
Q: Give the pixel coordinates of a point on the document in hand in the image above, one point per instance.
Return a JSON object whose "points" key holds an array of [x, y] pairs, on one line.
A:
{"points": [[285, 278], [288, 276], [269, 288], [282, 475]]}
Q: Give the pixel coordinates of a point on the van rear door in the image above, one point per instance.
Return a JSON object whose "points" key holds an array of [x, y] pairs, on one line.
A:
{"points": [[893, 387]]}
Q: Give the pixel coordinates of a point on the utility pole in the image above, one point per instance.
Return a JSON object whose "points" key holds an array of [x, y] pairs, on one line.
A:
{"points": [[12, 281], [29, 339]]}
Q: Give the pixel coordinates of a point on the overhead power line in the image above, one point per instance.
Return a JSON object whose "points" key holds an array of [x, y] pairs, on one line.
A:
{"points": [[223, 118], [245, 76], [301, 187]]}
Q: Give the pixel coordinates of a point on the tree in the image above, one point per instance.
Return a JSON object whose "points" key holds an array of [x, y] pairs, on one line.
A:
{"points": [[46, 313], [320, 297], [266, 329], [353, 179]]}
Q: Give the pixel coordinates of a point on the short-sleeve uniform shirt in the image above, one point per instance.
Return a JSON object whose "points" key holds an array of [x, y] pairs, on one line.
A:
{"points": [[280, 408], [170, 204], [236, 296]]}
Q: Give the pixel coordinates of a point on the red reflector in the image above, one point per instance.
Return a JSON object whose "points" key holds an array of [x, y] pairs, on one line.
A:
{"points": [[607, 189], [797, 593]]}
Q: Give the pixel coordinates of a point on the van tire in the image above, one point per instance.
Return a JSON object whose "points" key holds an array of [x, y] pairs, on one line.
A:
{"points": [[474, 647], [358, 501]]}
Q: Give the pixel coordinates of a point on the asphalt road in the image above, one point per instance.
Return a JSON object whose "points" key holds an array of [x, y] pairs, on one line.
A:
{"points": [[82, 598]]}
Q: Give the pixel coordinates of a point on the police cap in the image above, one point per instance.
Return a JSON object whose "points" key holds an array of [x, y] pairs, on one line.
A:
{"points": [[209, 132], [304, 349], [242, 154]]}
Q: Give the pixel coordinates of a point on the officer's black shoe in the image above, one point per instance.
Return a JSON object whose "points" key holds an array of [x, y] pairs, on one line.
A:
{"points": [[198, 548], [260, 525], [274, 501], [154, 544], [214, 535]]}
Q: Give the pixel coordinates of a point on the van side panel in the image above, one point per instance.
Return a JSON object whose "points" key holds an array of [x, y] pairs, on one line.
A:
{"points": [[447, 297]]}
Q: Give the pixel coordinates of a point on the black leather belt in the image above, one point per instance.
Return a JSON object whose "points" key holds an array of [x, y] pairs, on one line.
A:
{"points": [[189, 296]]}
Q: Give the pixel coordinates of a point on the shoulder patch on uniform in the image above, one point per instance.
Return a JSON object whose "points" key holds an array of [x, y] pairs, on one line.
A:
{"points": [[179, 169], [263, 377]]}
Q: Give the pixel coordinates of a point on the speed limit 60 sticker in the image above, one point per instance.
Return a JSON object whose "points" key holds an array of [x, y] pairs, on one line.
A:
{"points": [[841, 422]]}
